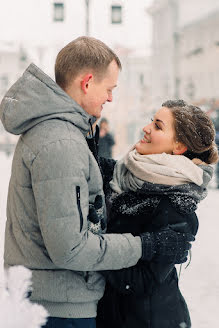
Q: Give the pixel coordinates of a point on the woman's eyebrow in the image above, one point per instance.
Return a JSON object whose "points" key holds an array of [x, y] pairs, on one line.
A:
{"points": [[158, 120]]}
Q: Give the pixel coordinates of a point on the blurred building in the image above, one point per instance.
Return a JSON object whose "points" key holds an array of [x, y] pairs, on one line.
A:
{"points": [[13, 60], [36, 30], [185, 49], [199, 64], [47, 25]]}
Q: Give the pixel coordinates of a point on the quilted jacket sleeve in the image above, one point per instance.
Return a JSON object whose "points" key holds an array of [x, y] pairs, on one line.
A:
{"points": [[59, 172]]}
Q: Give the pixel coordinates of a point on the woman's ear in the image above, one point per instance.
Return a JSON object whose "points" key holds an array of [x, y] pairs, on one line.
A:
{"points": [[179, 148]]}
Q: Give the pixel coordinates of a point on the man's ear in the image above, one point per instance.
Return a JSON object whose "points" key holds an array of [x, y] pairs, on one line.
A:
{"points": [[179, 148], [85, 82]]}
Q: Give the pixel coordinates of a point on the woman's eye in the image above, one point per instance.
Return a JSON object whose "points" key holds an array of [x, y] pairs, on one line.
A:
{"points": [[155, 124]]}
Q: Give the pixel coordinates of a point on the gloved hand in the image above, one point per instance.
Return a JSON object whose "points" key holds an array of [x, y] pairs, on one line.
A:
{"points": [[166, 245], [95, 217]]}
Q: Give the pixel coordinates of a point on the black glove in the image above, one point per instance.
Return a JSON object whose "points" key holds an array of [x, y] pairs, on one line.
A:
{"points": [[95, 216], [166, 246]]}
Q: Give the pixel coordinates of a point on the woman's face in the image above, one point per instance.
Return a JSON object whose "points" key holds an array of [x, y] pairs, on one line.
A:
{"points": [[159, 135]]}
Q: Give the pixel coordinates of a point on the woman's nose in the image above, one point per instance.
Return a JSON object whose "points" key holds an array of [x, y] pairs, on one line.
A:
{"points": [[147, 129]]}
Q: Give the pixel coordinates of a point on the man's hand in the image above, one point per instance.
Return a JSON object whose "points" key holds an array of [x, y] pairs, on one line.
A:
{"points": [[166, 246]]}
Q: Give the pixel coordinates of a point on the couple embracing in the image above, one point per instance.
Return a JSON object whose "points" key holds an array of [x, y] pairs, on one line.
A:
{"points": [[83, 224]]}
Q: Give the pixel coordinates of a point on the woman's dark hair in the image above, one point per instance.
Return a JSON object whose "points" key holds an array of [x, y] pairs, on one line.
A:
{"points": [[195, 130]]}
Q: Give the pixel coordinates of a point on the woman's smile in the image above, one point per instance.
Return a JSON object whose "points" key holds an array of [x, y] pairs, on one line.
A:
{"points": [[145, 140]]}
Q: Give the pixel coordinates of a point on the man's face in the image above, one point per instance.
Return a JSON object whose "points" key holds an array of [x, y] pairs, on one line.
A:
{"points": [[100, 91]]}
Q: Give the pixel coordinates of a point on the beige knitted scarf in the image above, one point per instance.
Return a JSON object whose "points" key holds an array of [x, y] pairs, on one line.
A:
{"points": [[134, 169]]}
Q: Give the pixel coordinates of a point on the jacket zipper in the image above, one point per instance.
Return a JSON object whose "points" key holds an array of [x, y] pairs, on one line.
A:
{"points": [[78, 195], [79, 206]]}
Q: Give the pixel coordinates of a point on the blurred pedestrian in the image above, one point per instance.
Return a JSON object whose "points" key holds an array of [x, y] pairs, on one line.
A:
{"points": [[170, 164], [106, 140]]}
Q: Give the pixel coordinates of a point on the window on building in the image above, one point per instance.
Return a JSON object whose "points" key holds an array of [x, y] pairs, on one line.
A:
{"points": [[58, 11], [116, 14], [22, 55], [195, 52], [141, 79]]}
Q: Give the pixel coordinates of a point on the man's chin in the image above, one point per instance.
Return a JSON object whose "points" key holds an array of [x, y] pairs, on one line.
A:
{"points": [[97, 115]]}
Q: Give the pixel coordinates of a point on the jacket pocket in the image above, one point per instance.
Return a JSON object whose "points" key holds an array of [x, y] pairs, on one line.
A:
{"points": [[78, 196]]}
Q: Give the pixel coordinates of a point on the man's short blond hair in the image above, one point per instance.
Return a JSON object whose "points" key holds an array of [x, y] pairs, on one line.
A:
{"points": [[81, 54]]}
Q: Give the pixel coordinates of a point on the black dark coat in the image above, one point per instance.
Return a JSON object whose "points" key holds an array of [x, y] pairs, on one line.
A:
{"points": [[146, 295]]}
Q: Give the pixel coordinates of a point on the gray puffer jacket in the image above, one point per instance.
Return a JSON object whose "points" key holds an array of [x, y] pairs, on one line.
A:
{"points": [[54, 178]]}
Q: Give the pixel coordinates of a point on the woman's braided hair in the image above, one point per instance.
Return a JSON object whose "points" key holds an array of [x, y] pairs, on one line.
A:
{"points": [[195, 130]]}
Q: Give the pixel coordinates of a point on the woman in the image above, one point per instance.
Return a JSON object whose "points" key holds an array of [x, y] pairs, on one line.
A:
{"points": [[171, 164]]}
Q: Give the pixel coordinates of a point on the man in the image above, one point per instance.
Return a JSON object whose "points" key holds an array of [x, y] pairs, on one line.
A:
{"points": [[106, 140], [54, 179]]}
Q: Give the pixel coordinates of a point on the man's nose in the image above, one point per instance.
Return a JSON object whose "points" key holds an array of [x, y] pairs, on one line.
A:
{"points": [[110, 98]]}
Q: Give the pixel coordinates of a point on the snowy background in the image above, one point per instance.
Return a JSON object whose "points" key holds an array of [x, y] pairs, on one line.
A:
{"points": [[199, 282]]}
